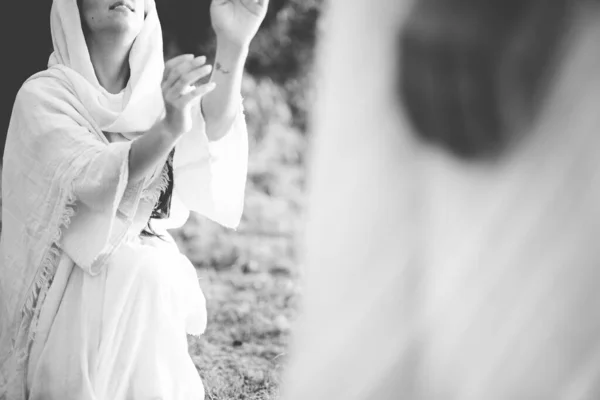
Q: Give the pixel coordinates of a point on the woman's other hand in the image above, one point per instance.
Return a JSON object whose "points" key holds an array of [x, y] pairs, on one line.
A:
{"points": [[181, 91]]}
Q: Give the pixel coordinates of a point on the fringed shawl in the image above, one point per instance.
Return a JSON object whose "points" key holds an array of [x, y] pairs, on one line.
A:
{"points": [[59, 169]]}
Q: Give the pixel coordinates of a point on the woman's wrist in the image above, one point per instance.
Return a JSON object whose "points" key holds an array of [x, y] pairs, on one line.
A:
{"points": [[150, 149], [167, 135], [230, 55]]}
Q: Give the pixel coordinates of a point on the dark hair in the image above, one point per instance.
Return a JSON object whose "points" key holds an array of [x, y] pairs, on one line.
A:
{"points": [[162, 208], [473, 72]]}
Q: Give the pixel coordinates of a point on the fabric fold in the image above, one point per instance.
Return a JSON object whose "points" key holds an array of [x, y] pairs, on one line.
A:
{"points": [[210, 176], [101, 190]]}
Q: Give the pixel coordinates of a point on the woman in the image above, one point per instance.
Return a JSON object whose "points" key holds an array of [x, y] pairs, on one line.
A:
{"points": [[95, 299], [452, 241]]}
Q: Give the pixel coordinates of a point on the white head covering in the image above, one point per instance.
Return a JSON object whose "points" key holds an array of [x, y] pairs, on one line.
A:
{"points": [[143, 102]]}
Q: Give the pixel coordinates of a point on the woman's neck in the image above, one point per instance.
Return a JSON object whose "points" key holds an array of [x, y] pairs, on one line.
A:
{"points": [[110, 58]]}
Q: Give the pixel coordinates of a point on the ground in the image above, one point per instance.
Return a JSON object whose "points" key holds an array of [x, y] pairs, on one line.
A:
{"points": [[251, 308], [243, 352]]}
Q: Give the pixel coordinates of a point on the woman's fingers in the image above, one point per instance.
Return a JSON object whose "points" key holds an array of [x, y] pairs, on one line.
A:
{"points": [[181, 73], [176, 70], [176, 61], [191, 77], [195, 94], [256, 7]]}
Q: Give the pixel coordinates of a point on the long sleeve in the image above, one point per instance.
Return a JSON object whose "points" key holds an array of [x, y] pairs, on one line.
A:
{"points": [[210, 176], [106, 203], [71, 159]]}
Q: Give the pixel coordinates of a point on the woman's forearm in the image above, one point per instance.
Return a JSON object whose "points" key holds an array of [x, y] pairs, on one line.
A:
{"points": [[149, 150], [221, 106]]}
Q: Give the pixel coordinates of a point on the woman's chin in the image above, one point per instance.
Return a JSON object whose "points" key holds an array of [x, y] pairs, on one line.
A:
{"points": [[123, 25], [123, 21]]}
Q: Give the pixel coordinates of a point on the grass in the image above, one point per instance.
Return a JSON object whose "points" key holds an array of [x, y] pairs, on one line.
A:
{"points": [[243, 352], [252, 301]]}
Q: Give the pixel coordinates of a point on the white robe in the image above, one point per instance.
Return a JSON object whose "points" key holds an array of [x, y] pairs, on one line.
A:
{"points": [[119, 332]]}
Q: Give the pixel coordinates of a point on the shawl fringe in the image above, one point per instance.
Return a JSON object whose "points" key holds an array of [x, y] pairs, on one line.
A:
{"points": [[30, 312]]}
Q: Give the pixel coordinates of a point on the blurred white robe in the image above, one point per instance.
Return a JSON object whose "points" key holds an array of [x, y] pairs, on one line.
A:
{"points": [[429, 278]]}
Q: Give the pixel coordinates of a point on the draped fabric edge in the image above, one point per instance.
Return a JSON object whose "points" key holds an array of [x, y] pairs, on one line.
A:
{"points": [[154, 194], [60, 198], [63, 211]]}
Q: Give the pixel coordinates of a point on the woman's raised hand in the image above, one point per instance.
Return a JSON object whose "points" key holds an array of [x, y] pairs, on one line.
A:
{"points": [[181, 91], [237, 21]]}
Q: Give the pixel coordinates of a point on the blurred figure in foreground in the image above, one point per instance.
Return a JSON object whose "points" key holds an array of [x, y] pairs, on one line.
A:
{"points": [[451, 246]]}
